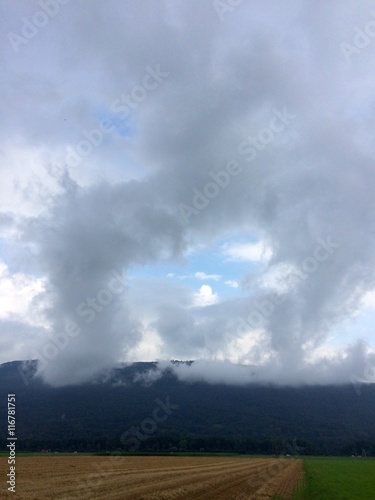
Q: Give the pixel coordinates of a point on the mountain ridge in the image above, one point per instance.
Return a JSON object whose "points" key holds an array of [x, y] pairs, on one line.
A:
{"points": [[116, 411]]}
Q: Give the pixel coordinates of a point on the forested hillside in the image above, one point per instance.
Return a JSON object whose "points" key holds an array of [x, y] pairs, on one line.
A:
{"points": [[116, 413]]}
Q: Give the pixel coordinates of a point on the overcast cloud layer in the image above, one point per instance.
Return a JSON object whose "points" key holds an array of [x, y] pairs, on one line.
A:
{"points": [[191, 180]]}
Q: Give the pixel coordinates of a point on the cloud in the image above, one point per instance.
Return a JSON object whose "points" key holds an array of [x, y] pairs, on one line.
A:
{"points": [[343, 366], [247, 252], [203, 276], [268, 96], [205, 296], [232, 283], [17, 291], [85, 254], [368, 300]]}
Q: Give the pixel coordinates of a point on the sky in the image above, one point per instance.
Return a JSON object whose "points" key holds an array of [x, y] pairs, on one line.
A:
{"points": [[189, 180]]}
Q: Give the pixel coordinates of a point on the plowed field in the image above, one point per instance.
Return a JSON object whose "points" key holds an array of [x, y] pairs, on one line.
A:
{"points": [[152, 478]]}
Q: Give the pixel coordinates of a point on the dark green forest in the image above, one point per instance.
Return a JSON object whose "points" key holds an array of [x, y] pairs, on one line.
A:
{"points": [[116, 414]]}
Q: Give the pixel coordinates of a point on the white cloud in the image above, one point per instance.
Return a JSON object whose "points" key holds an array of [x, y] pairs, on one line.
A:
{"points": [[349, 363], [281, 278], [232, 283], [203, 276], [247, 252], [205, 297], [17, 292], [148, 349], [368, 301]]}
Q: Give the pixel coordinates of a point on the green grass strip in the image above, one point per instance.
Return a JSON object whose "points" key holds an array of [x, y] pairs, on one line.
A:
{"points": [[338, 479]]}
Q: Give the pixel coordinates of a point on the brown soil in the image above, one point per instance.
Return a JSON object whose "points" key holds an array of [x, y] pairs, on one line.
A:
{"points": [[151, 478]]}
